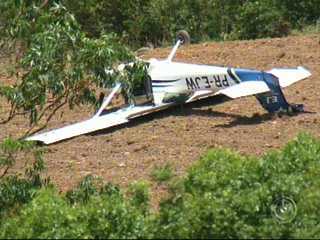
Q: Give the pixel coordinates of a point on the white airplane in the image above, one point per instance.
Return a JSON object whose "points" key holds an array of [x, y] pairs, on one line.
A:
{"points": [[173, 83]]}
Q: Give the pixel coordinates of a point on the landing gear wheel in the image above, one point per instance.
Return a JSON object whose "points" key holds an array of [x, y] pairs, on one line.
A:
{"points": [[184, 37]]}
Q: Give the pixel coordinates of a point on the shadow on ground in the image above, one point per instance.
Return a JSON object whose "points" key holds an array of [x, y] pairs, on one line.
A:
{"points": [[194, 109]]}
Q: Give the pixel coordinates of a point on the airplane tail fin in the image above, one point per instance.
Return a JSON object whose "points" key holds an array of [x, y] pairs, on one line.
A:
{"points": [[266, 86], [274, 100]]}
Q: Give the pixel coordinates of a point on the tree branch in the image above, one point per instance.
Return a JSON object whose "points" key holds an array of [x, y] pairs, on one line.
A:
{"points": [[30, 132], [44, 4], [5, 172]]}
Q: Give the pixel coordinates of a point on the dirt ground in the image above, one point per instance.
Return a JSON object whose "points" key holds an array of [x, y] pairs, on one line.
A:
{"points": [[180, 136]]}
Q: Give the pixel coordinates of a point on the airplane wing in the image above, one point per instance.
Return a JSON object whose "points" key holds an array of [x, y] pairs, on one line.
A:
{"points": [[244, 89], [91, 125], [95, 123], [240, 90]]}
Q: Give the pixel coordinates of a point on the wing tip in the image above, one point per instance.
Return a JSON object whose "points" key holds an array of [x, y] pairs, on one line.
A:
{"points": [[306, 70]]}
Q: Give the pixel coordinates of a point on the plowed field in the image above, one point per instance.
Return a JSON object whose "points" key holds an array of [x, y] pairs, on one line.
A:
{"points": [[180, 136]]}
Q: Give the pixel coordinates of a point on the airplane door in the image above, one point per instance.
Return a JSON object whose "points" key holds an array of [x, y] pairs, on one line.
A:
{"points": [[142, 94]]}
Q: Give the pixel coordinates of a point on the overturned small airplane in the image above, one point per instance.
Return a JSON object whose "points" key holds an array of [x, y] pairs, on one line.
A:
{"points": [[173, 83]]}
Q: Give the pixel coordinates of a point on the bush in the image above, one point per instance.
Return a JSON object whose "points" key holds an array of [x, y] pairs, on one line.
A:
{"points": [[230, 196], [87, 188], [300, 13], [51, 216], [260, 19], [162, 174], [47, 215], [21, 167], [114, 217], [139, 22], [14, 192], [139, 195], [224, 195]]}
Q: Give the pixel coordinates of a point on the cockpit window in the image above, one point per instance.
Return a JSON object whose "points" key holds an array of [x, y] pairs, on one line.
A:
{"points": [[142, 93], [112, 102], [118, 97]]}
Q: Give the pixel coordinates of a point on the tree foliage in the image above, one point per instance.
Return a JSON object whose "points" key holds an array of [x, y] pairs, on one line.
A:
{"points": [[258, 19], [156, 21], [60, 65], [138, 22]]}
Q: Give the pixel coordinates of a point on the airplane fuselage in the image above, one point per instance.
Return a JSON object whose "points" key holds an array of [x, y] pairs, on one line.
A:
{"points": [[173, 77]]}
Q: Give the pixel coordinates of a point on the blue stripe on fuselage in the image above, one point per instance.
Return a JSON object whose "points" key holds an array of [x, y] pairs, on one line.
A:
{"points": [[272, 101], [249, 75]]}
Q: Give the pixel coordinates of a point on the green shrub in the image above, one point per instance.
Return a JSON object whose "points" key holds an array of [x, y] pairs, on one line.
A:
{"points": [[300, 13], [224, 195], [138, 22], [87, 188], [260, 19], [230, 196], [21, 166], [162, 174], [307, 29], [139, 195], [14, 192], [156, 21], [114, 217], [47, 216], [51, 216]]}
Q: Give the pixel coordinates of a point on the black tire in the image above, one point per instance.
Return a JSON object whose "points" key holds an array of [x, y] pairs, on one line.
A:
{"points": [[184, 37]]}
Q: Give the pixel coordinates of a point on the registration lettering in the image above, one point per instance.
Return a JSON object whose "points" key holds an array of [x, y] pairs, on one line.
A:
{"points": [[192, 83], [216, 81]]}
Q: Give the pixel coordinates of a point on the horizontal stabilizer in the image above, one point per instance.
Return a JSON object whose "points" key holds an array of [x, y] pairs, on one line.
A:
{"points": [[288, 76], [245, 89]]}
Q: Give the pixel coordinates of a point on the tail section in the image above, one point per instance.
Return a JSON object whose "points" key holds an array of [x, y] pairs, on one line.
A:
{"points": [[288, 76], [266, 86], [274, 100]]}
